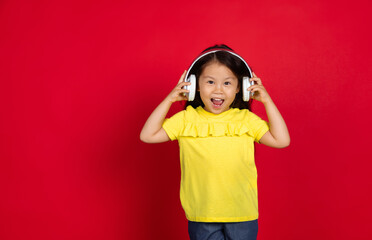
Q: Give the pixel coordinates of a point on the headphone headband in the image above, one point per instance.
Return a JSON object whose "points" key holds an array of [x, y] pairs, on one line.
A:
{"points": [[218, 50]]}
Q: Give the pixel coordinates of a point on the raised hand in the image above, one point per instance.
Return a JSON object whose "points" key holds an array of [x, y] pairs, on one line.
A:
{"points": [[178, 93], [258, 90]]}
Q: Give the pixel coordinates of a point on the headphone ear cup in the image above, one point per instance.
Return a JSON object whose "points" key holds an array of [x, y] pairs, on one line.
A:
{"points": [[246, 93], [192, 87]]}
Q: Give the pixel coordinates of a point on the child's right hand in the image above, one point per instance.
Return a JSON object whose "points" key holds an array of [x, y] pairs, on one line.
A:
{"points": [[178, 93]]}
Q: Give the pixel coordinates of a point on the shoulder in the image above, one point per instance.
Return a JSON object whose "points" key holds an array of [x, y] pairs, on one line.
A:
{"points": [[191, 113], [190, 109], [242, 114], [184, 114]]}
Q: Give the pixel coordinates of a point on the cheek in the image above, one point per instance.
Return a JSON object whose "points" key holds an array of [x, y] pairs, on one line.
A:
{"points": [[202, 88], [234, 90]]}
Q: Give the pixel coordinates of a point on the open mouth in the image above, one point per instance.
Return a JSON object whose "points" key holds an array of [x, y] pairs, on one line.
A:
{"points": [[217, 102]]}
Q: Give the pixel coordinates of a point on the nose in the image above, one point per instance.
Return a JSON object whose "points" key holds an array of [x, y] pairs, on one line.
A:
{"points": [[217, 88]]}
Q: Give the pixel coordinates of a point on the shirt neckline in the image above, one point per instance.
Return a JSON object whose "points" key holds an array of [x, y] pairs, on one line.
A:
{"points": [[207, 114]]}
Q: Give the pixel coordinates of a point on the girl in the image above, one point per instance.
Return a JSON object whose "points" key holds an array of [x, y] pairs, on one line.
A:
{"points": [[216, 134]]}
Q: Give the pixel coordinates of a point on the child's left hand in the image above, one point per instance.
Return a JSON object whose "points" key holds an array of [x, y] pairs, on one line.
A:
{"points": [[259, 91]]}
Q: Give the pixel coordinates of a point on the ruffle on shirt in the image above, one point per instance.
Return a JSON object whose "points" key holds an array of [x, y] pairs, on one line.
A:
{"points": [[205, 129]]}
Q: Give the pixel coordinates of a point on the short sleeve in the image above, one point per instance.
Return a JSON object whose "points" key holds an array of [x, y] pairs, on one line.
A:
{"points": [[258, 126], [174, 125]]}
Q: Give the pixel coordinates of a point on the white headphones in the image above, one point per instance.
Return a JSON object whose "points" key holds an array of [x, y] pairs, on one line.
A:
{"points": [[192, 78]]}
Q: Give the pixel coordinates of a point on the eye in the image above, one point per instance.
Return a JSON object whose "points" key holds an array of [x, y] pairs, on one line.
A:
{"points": [[227, 83], [210, 82]]}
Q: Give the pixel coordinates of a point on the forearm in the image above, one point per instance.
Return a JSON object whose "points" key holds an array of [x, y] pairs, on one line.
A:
{"points": [[154, 123], [278, 128]]}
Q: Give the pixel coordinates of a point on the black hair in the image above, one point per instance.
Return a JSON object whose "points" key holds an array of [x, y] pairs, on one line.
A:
{"points": [[235, 64], [220, 46]]}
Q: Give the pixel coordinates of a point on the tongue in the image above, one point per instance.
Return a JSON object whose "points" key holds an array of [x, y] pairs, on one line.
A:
{"points": [[217, 102]]}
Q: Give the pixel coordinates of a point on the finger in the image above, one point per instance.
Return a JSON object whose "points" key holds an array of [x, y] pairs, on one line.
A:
{"points": [[256, 92], [182, 84], [181, 98], [182, 77], [258, 81], [183, 91], [255, 88], [254, 75]]}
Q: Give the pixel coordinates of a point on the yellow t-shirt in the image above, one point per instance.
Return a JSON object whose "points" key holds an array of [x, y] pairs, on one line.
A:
{"points": [[218, 172]]}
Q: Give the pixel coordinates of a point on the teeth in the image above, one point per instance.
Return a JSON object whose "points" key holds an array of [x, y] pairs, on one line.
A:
{"points": [[217, 101]]}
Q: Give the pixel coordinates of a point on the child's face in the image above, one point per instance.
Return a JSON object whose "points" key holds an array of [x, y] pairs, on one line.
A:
{"points": [[218, 87]]}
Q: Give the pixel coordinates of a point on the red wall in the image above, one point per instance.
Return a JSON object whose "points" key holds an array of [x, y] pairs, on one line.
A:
{"points": [[79, 79]]}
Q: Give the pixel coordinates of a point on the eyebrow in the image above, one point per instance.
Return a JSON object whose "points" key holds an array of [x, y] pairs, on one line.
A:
{"points": [[214, 78]]}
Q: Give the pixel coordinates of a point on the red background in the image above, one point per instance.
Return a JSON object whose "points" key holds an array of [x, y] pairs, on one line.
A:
{"points": [[79, 79]]}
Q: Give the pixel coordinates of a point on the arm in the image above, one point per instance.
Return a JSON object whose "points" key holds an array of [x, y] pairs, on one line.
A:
{"points": [[278, 135], [152, 131]]}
